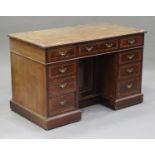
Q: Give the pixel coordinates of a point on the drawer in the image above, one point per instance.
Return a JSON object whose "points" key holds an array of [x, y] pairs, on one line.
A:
{"points": [[98, 47], [90, 48], [131, 41], [109, 45], [128, 87], [61, 69], [61, 104], [130, 56], [131, 70], [62, 86], [55, 54]]}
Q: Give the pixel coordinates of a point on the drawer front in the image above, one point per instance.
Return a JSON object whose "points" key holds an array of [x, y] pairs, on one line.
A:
{"points": [[61, 69], [130, 56], [62, 86], [131, 70], [98, 47], [61, 104], [131, 41], [90, 48], [61, 53], [128, 87], [109, 45]]}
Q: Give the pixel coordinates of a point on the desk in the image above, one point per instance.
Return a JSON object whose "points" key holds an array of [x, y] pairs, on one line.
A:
{"points": [[56, 72]]}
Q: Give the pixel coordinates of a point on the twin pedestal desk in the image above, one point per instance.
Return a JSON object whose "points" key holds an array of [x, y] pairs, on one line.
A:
{"points": [[56, 72]]}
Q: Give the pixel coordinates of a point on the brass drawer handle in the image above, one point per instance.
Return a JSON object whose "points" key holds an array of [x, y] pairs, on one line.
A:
{"points": [[62, 53], [130, 70], [63, 102], [132, 41], [89, 49], [130, 57], [109, 45], [62, 70], [129, 86], [63, 85]]}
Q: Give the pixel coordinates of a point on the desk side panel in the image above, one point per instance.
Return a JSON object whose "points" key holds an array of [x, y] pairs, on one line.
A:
{"points": [[109, 75], [28, 84]]}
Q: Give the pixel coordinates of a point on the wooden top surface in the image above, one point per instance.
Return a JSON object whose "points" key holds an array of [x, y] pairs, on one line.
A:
{"points": [[76, 34]]}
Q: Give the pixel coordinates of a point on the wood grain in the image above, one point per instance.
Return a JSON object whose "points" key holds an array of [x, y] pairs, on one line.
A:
{"points": [[47, 123], [123, 89], [57, 71], [62, 69], [77, 34], [27, 50], [109, 74], [129, 70], [130, 56], [55, 106], [132, 41], [29, 87], [55, 89]]}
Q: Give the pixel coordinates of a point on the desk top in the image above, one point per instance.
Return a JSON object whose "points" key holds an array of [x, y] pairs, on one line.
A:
{"points": [[77, 34]]}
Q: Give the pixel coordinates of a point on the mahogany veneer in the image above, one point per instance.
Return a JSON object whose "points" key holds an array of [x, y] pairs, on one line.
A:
{"points": [[57, 71]]}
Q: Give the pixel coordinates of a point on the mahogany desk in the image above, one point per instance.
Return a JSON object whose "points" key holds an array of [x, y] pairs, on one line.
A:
{"points": [[57, 71]]}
